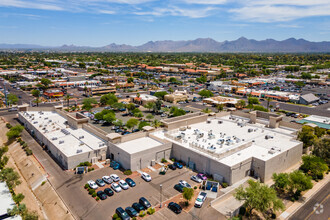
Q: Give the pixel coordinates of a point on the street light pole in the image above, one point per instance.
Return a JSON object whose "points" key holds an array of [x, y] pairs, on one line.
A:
{"points": [[161, 189]]}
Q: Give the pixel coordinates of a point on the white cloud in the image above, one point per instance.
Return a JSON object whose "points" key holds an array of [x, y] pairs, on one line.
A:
{"points": [[206, 2], [176, 11], [274, 11], [34, 5], [109, 12]]}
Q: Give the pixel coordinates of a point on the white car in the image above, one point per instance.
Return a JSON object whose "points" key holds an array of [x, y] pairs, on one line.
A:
{"points": [[107, 179], [123, 184], [200, 199], [184, 184], [114, 177], [196, 179], [92, 184], [115, 187], [146, 177]]}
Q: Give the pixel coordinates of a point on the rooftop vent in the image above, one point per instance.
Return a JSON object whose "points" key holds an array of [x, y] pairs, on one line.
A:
{"points": [[54, 138], [79, 151], [61, 142], [64, 131], [81, 137]]}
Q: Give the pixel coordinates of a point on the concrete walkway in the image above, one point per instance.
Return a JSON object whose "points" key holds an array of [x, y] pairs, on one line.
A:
{"points": [[307, 196]]}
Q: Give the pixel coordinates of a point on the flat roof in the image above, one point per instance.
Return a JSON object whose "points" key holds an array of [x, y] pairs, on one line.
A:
{"points": [[6, 200], [233, 140], [139, 144], [66, 139]]}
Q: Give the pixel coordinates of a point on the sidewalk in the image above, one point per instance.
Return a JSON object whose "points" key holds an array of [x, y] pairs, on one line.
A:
{"points": [[306, 197]]}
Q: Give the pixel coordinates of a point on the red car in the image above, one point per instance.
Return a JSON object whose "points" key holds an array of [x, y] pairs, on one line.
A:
{"points": [[202, 176]]}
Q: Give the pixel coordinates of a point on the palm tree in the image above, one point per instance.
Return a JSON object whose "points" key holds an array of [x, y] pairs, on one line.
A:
{"points": [[67, 98], [156, 123], [268, 100]]}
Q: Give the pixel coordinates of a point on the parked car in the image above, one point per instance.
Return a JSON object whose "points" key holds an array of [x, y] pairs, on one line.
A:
{"points": [[178, 165], [115, 177], [176, 208], [130, 182], [172, 167], [202, 176], [100, 182], [115, 165], [107, 179], [115, 187], [131, 212], [109, 192], [92, 184], [138, 207], [144, 202], [184, 184], [123, 184], [136, 130], [200, 199], [101, 195], [196, 179], [12, 109], [122, 214], [146, 177], [179, 187], [125, 133]]}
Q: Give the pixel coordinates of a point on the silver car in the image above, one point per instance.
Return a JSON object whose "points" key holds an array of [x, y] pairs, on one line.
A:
{"points": [[107, 179]]}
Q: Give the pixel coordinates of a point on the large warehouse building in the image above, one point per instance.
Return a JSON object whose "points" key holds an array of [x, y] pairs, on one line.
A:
{"points": [[229, 146]]}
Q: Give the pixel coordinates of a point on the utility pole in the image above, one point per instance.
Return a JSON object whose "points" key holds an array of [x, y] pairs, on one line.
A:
{"points": [[4, 88]]}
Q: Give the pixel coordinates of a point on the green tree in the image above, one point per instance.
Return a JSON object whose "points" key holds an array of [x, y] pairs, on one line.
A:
{"points": [[253, 100], [175, 111], [118, 105], [36, 94], [12, 99], [108, 99], [87, 103], [130, 80], [131, 123], [219, 107], [240, 104], [3, 158], [258, 196], [158, 105], [161, 94], [142, 124], [314, 166], [45, 83], [156, 123], [188, 193], [205, 93], [18, 198], [307, 136], [149, 106], [268, 101], [201, 79], [118, 122], [14, 132], [206, 110], [281, 181], [109, 117], [10, 176], [130, 107], [67, 98], [170, 90], [321, 149], [149, 116], [299, 182]]}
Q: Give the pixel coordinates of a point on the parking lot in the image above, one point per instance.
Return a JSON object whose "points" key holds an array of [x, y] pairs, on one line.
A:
{"points": [[149, 190]]}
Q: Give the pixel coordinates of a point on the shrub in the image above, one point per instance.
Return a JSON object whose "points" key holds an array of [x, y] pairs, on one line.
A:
{"points": [[142, 214], [43, 183], [28, 151], [134, 218], [87, 164], [91, 191], [173, 160], [163, 160], [97, 198], [9, 126], [115, 216], [224, 184], [242, 211], [24, 145], [86, 186], [151, 211], [90, 169], [195, 187], [19, 140], [94, 194], [186, 203], [127, 172]]}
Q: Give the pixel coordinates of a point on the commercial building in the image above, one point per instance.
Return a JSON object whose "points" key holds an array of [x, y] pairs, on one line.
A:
{"points": [[6, 202], [143, 99], [53, 93], [176, 96], [308, 99], [220, 100], [320, 121], [229, 147]]}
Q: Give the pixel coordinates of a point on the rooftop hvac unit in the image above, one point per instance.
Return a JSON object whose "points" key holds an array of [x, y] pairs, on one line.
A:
{"points": [[81, 137], [35, 122], [79, 151], [54, 138], [81, 143], [50, 120], [61, 142], [64, 131], [250, 130], [220, 122], [271, 151], [45, 118]]}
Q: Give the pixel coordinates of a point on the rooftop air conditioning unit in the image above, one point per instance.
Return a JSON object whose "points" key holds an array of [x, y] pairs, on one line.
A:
{"points": [[61, 142], [79, 151], [81, 137], [54, 138]]}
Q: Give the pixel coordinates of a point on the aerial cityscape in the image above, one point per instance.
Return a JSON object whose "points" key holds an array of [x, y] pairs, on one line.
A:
{"points": [[147, 109]]}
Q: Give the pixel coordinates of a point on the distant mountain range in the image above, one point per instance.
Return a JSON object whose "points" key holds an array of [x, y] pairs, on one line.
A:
{"points": [[199, 45]]}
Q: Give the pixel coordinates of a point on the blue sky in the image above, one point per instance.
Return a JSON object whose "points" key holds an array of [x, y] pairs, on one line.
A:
{"points": [[101, 22]]}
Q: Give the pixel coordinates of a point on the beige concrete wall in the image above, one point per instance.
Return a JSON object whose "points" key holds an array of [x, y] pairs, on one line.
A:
{"points": [[133, 136], [94, 130], [241, 114], [283, 161], [119, 155], [184, 120]]}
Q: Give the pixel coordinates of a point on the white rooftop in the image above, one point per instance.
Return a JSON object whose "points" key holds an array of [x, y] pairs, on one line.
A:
{"points": [[68, 140], [139, 144], [225, 141], [6, 201]]}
